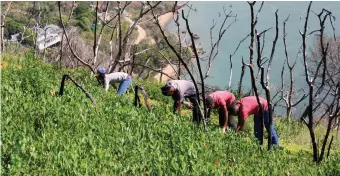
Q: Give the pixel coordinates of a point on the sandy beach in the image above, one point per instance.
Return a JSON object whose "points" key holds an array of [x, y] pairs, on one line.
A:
{"points": [[163, 21], [141, 33]]}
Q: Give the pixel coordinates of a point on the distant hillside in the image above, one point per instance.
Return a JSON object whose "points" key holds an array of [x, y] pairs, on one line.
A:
{"points": [[24, 18]]}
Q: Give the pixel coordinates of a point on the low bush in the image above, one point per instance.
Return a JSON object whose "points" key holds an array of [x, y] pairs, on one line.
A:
{"points": [[46, 134]]}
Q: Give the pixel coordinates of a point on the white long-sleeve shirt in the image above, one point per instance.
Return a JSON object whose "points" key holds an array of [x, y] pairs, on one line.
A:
{"points": [[112, 78]]}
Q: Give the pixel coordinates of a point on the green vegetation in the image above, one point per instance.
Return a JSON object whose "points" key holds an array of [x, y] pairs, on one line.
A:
{"points": [[84, 16], [27, 13], [12, 27], [45, 134]]}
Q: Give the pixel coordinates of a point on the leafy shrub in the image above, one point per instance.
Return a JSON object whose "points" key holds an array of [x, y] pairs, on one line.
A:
{"points": [[84, 16], [29, 40], [12, 27], [84, 23], [46, 134]]}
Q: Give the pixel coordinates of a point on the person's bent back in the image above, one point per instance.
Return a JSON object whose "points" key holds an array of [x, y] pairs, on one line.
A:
{"points": [[179, 90], [221, 100], [122, 78], [249, 106]]}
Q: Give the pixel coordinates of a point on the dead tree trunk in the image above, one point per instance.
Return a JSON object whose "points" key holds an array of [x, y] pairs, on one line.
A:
{"points": [[137, 99], [265, 84], [61, 90], [334, 112], [239, 90], [198, 65], [251, 64], [311, 90], [329, 146], [3, 21]]}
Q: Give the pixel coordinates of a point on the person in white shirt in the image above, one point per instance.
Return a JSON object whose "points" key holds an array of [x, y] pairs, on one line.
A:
{"points": [[124, 79]]}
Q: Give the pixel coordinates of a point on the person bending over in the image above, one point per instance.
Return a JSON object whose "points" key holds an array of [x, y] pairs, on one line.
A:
{"points": [[179, 90], [248, 106], [122, 78], [221, 100]]}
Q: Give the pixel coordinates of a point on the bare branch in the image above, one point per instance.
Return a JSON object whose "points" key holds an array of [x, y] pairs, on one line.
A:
{"points": [[332, 117], [61, 90], [198, 63], [310, 83], [259, 34], [123, 43], [68, 41], [155, 70], [111, 47], [95, 46], [3, 17], [243, 67], [304, 96], [273, 48], [172, 66], [265, 85], [62, 37], [303, 35], [231, 72], [107, 22], [251, 66], [241, 41], [215, 45], [174, 51], [3, 21], [241, 77], [258, 12]]}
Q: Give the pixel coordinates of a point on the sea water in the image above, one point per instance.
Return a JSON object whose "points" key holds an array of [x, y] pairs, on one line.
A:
{"points": [[201, 20]]}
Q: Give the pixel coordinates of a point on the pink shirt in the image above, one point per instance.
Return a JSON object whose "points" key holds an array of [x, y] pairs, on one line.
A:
{"points": [[249, 106], [223, 98]]}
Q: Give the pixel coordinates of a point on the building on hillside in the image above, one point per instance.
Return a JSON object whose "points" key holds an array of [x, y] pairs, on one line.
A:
{"points": [[48, 36], [15, 37]]}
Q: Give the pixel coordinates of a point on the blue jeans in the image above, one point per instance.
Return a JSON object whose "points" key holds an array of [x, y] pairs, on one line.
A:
{"points": [[257, 127], [124, 85]]}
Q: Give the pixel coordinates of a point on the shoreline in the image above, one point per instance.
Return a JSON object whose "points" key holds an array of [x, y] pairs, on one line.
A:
{"points": [[165, 19], [169, 69]]}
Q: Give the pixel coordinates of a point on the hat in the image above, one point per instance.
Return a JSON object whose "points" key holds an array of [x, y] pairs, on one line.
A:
{"points": [[101, 71]]}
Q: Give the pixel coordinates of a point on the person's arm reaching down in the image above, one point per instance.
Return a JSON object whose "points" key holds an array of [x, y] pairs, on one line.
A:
{"points": [[240, 124], [225, 118], [106, 84], [188, 104], [177, 105], [209, 112], [177, 101]]}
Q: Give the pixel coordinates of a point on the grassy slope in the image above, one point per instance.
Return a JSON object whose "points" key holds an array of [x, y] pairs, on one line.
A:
{"points": [[45, 134]]}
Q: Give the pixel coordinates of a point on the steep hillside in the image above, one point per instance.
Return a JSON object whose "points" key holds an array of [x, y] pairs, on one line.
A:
{"points": [[46, 134]]}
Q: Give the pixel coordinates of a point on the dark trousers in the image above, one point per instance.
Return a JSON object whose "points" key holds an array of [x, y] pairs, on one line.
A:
{"points": [[257, 127], [231, 121], [195, 109]]}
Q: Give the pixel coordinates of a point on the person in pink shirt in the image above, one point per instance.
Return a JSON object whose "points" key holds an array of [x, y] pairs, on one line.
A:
{"points": [[248, 106], [221, 100]]}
